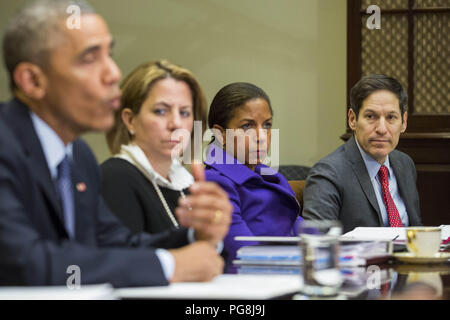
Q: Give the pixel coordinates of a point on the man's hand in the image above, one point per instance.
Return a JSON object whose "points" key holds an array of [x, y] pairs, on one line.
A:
{"points": [[207, 209], [198, 261]]}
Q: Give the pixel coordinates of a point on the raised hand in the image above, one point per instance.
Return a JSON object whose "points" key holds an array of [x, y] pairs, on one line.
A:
{"points": [[207, 209]]}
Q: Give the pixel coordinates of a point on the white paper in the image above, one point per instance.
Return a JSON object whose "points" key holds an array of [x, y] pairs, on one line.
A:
{"points": [[445, 232], [226, 286], [85, 292], [386, 233], [376, 233]]}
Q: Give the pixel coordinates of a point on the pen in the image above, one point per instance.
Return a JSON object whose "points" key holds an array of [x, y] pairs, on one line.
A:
{"points": [[395, 237]]}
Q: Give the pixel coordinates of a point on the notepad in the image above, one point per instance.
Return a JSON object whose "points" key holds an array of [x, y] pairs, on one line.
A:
{"points": [[226, 286], [376, 233], [386, 233]]}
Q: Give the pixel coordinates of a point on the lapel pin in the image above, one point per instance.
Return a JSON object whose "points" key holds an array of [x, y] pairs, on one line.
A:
{"points": [[81, 187]]}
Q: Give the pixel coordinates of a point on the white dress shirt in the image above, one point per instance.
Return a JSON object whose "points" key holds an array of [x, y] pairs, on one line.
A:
{"points": [[55, 151], [372, 168]]}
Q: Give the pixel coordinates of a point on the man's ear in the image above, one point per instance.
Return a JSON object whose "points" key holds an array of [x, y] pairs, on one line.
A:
{"points": [[127, 118], [219, 134], [31, 80], [404, 122], [351, 119]]}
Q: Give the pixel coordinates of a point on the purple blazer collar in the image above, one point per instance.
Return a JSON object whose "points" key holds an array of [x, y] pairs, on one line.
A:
{"points": [[226, 164]]}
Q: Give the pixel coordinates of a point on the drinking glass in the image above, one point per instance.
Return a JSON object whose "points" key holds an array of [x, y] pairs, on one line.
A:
{"points": [[319, 249]]}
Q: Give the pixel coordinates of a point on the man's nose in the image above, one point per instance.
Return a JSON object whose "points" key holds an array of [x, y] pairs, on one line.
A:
{"points": [[381, 126], [112, 72]]}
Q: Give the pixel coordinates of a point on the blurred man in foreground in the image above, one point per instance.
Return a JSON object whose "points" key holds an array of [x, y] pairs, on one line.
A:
{"points": [[52, 216]]}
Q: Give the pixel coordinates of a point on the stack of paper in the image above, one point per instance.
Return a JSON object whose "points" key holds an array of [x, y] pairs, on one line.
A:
{"points": [[356, 280], [287, 258], [269, 255], [362, 253]]}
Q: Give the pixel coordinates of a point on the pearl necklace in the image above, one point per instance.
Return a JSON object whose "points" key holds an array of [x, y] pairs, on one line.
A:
{"points": [[165, 205], [158, 190]]}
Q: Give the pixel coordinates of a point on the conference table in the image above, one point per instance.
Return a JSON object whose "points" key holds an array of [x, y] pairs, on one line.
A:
{"points": [[391, 280], [409, 280], [401, 280], [393, 277], [405, 281], [397, 281]]}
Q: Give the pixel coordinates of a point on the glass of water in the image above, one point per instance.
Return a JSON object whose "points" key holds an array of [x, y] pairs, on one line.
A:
{"points": [[319, 250]]}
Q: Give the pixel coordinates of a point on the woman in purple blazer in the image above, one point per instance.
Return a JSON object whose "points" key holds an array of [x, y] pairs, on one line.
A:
{"points": [[264, 204]]}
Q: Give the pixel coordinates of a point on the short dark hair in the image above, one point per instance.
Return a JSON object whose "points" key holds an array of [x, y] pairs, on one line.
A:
{"points": [[231, 97], [34, 31], [374, 82]]}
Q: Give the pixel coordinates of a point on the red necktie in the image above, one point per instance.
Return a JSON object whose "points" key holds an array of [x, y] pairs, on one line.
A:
{"points": [[384, 290], [394, 217]]}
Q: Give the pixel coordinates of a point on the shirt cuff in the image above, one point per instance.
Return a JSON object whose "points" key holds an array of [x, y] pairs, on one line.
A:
{"points": [[191, 239], [167, 262]]}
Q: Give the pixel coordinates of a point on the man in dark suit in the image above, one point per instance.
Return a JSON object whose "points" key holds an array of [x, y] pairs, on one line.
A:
{"points": [[52, 216], [366, 182]]}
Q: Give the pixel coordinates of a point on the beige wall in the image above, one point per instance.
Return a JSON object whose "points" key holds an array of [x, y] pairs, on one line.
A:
{"points": [[294, 49]]}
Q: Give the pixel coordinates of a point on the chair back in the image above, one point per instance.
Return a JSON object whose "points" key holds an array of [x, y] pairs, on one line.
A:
{"points": [[298, 186], [294, 172]]}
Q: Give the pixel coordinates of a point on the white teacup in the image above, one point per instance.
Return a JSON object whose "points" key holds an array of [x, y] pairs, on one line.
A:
{"points": [[423, 241]]}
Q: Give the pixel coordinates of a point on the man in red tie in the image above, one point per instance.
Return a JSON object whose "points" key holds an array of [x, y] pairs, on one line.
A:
{"points": [[366, 182]]}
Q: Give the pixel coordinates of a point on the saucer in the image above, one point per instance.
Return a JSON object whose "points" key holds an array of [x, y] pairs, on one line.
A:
{"points": [[436, 268], [408, 257]]}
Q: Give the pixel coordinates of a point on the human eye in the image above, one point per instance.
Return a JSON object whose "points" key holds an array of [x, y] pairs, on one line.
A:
{"points": [[185, 113], [159, 111], [392, 117], [246, 126], [88, 57], [267, 125]]}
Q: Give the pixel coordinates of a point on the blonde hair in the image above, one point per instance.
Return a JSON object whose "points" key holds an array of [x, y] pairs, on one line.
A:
{"points": [[135, 89]]}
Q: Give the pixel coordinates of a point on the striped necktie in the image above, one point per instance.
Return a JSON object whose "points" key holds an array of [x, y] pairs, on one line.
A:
{"points": [[64, 184]]}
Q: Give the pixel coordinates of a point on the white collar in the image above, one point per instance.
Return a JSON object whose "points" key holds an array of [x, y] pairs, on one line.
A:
{"points": [[52, 145], [180, 178], [372, 165]]}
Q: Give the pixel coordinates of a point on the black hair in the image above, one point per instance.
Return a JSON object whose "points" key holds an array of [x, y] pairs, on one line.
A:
{"points": [[374, 82], [231, 97]]}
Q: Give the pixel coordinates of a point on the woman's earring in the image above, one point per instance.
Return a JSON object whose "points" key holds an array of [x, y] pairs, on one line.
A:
{"points": [[132, 132]]}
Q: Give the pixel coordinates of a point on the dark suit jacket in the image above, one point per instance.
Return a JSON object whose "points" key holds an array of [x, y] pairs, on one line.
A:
{"points": [[133, 199], [34, 246], [338, 187]]}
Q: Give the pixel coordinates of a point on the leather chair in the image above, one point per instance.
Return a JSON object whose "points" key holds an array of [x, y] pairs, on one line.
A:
{"points": [[298, 186]]}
